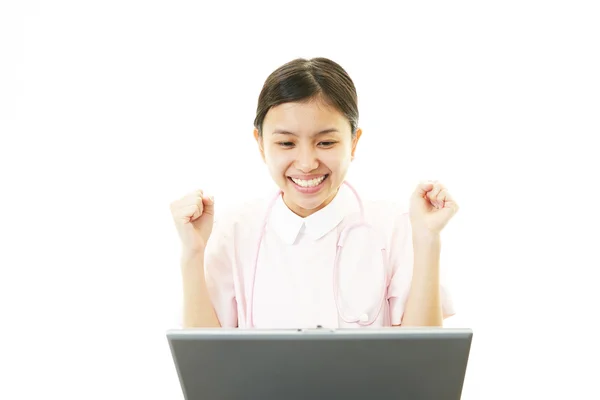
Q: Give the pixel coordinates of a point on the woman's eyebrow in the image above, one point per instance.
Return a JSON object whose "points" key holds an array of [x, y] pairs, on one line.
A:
{"points": [[323, 132]]}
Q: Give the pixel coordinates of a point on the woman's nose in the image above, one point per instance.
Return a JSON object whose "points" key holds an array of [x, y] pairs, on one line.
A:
{"points": [[307, 160]]}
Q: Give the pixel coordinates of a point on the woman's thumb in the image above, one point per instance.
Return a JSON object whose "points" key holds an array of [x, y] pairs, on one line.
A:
{"points": [[209, 204]]}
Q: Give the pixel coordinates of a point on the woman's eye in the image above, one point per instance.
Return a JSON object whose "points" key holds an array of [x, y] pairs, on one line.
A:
{"points": [[291, 144], [327, 144]]}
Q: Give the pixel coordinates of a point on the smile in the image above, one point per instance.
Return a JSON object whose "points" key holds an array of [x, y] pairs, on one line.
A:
{"points": [[309, 186], [310, 182]]}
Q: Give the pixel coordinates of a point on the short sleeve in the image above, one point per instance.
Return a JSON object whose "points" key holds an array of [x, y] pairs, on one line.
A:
{"points": [[402, 258], [218, 268]]}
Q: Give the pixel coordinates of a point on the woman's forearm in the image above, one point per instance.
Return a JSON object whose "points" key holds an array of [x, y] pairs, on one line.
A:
{"points": [[198, 311], [423, 307]]}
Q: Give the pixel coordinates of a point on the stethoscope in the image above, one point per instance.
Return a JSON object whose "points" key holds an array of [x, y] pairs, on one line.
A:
{"points": [[362, 320]]}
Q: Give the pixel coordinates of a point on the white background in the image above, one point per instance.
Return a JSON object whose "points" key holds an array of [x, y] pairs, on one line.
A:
{"points": [[110, 110]]}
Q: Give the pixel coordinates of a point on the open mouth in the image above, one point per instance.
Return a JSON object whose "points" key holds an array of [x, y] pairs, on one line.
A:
{"points": [[309, 185]]}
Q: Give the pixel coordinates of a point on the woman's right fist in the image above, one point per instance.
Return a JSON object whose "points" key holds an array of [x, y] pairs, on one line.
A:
{"points": [[194, 215]]}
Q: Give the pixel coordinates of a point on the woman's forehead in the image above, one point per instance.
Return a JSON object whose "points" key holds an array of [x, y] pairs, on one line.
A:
{"points": [[305, 118]]}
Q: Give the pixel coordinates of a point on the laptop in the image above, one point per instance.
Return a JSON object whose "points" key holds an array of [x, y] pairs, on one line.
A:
{"points": [[321, 363]]}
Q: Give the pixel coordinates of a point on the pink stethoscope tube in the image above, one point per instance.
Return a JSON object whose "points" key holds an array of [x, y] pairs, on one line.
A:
{"points": [[340, 243]]}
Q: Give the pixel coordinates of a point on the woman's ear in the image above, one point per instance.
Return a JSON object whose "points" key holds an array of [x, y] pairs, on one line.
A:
{"points": [[355, 140], [259, 141]]}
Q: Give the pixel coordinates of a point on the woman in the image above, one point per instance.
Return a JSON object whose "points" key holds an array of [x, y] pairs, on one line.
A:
{"points": [[277, 263]]}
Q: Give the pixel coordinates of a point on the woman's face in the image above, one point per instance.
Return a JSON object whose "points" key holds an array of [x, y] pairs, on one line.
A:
{"points": [[308, 148]]}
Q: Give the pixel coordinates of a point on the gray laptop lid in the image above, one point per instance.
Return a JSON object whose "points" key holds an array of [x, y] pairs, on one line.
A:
{"points": [[388, 363]]}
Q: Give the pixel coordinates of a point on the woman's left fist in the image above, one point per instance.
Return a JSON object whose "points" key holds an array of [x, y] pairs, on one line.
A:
{"points": [[431, 207]]}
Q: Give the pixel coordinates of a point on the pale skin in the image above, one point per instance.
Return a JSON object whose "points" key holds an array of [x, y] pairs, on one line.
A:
{"points": [[310, 140]]}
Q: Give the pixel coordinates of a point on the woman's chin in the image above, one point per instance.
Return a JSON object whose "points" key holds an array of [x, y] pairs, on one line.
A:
{"points": [[303, 204]]}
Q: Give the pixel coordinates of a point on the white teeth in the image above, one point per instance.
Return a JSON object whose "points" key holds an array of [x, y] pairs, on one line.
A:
{"points": [[310, 182]]}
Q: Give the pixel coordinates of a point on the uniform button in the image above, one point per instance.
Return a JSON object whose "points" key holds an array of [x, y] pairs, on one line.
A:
{"points": [[364, 318]]}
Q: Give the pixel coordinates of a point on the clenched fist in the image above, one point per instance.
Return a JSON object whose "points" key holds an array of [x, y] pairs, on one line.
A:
{"points": [[194, 216], [431, 208]]}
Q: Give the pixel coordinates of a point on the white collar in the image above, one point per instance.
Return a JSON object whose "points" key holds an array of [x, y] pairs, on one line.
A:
{"points": [[288, 225]]}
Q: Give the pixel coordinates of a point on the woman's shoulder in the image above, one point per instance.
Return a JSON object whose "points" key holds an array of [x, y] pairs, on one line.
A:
{"points": [[389, 216], [389, 213]]}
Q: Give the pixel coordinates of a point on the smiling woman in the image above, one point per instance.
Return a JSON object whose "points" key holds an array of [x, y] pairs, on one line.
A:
{"points": [[309, 158], [277, 263], [306, 128]]}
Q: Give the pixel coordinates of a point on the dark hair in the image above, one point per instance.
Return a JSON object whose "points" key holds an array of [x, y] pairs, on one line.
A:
{"points": [[304, 80]]}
